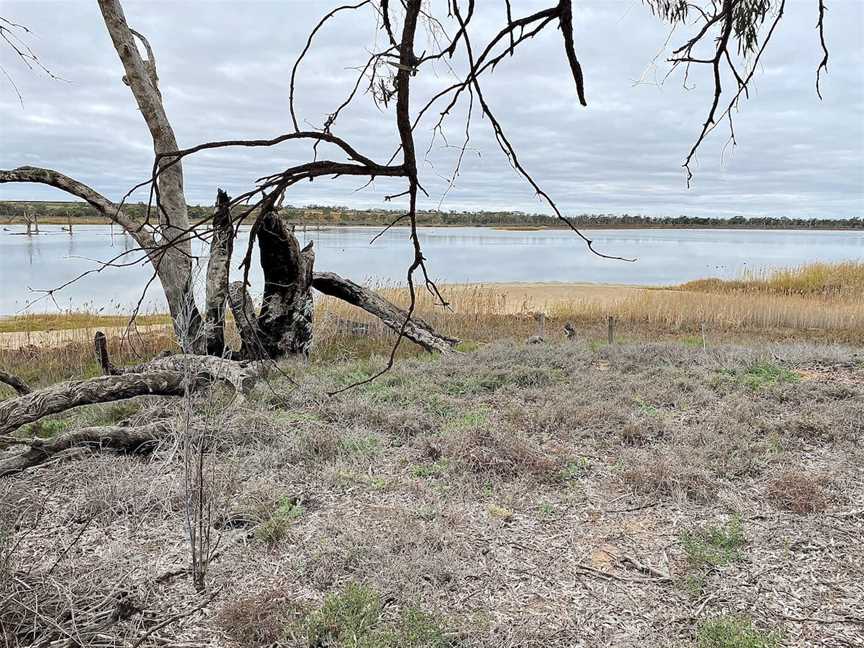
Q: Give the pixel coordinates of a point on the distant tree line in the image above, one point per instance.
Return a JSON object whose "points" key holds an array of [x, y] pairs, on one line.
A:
{"points": [[321, 215]]}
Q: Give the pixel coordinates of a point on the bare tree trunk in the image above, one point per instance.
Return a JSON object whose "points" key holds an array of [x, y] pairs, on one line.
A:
{"points": [[174, 260], [285, 320], [218, 267], [416, 329]]}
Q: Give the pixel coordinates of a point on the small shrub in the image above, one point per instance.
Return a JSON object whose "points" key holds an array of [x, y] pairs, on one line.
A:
{"points": [[799, 492], [714, 546], [478, 382], [346, 618], [500, 453], [734, 632]]}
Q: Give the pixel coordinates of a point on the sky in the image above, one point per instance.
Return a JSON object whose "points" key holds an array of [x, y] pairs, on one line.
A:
{"points": [[224, 69]]}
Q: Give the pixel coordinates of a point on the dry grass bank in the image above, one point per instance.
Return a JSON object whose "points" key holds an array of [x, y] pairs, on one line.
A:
{"points": [[552, 495], [816, 303]]}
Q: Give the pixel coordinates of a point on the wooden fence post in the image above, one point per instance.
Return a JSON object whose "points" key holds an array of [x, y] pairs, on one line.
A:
{"points": [[610, 321]]}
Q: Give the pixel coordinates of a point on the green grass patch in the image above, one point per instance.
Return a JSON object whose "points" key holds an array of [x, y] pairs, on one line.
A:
{"points": [[352, 618], [43, 429], [714, 546], [275, 528], [469, 420], [430, 470], [735, 632], [762, 374]]}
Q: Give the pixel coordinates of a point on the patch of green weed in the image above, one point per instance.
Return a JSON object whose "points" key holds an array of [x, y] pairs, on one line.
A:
{"points": [[734, 632], [468, 420], [275, 528], [44, 429], [714, 546], [761, 374], [646, 408], [576, 469], [352, 618], [430, 470]]}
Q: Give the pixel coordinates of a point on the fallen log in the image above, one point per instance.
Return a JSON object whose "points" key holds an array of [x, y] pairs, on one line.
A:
{"points": [[15, 383], [115, 437], [169, 376], [103, 389], [391, 315]]}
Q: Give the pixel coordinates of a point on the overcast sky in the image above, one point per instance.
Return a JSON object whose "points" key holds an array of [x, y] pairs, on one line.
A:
{"points": [[225, 66]]}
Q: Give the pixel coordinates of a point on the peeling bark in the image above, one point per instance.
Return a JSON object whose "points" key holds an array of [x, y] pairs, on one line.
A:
{"points": [[394, 317]]}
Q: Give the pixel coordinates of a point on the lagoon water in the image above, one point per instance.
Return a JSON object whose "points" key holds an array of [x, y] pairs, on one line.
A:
{"points": [[30, 264]]}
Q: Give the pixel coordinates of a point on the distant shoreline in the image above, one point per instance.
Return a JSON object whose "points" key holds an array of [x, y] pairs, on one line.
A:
{"points": [[17, 221]]}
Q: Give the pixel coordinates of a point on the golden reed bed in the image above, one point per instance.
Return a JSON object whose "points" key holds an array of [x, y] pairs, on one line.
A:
{"points": [[816, 302]]}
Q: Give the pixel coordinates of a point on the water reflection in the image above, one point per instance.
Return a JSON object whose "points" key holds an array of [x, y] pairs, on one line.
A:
{"points": [[454, 254]]}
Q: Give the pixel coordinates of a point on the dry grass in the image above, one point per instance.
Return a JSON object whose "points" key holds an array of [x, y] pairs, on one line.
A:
{"points": [[799, 492]]}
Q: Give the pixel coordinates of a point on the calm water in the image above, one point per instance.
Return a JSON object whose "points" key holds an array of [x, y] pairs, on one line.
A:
{"points": [[30, 264]]}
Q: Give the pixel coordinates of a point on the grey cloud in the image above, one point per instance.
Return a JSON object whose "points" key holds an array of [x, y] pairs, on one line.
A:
{"points": [[225, 68]]}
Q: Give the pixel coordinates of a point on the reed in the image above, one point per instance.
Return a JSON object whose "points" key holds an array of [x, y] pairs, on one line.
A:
{"points": [[820, 302], [844, 280]]}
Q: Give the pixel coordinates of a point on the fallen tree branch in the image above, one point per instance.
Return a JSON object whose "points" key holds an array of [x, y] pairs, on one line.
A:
{"points": [[103, 389], [129, 439], [20, 387], [394, 317], [170, 376]]}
